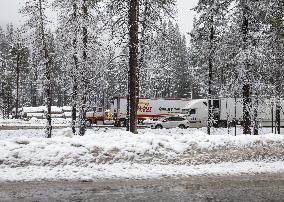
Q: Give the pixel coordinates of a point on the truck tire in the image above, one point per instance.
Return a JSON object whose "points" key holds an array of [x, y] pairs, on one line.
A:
{"points": [[159, 126], [122, 122], [182, 126], [88, 123], [117, 123]]}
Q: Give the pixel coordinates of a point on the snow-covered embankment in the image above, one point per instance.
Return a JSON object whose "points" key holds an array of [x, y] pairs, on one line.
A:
{"points": [[148, 154], [166, 147]]}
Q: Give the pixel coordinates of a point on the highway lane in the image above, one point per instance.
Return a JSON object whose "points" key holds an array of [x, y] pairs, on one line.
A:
{"points": [[254, 188]]}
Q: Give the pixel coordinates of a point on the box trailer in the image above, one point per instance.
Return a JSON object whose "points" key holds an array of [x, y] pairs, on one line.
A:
{"points": [[147, 108], [230, 111]]}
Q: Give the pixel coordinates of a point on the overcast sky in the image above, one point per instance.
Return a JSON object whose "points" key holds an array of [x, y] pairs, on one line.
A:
{"points": [[9, 13]]}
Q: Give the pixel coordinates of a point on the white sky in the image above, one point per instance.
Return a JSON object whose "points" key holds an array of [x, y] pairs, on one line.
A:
{"points": [[9, 13]]}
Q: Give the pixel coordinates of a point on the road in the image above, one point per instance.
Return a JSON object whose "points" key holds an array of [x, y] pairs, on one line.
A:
{"points": [[221, 188]]}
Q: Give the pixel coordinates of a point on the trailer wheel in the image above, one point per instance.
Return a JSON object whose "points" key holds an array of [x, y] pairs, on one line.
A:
{"points": [[182, 126], [159, 127]]}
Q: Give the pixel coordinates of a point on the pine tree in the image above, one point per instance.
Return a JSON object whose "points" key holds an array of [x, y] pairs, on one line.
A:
{"points": [[85, 81], [78, 28], [20, 55], [275, 47], [69, 28], [38, 21], [205, 43]]}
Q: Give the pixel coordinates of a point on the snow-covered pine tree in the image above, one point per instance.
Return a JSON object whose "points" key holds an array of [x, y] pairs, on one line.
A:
{"points": [[6, 76], [20, 56], [274, 48], [38, 21], [68, 31], [118, 23], [3, 61], [205, 41], [153, 14], [84, 66], [168, 63], [246, 23], [247, 83], [14, 66], [78, 28]]}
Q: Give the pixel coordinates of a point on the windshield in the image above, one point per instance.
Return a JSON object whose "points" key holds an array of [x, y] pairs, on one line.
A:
{"points": [[185, 111], [189, 111], [192, 111]]}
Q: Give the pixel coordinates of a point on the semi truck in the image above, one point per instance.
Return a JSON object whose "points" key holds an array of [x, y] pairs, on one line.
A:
{"points": [[148, 108], [227, 111], [99, 116]]}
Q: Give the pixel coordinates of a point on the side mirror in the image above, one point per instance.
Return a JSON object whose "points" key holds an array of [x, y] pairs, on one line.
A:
{"points": [[164, 120]]}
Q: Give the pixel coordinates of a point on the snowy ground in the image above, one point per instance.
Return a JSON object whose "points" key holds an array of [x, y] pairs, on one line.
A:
{"points": [[34, 122], [113, 153], [94, 172]]}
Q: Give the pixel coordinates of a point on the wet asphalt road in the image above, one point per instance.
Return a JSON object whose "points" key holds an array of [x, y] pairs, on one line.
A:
{"points": [[229, 188]]}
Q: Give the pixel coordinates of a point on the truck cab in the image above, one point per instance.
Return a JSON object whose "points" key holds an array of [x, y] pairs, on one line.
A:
{"points": [[196, 112], [95, 116]]}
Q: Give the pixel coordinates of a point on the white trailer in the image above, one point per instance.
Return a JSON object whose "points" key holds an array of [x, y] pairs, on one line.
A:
{"points": [[147, 108], [230, 110]]}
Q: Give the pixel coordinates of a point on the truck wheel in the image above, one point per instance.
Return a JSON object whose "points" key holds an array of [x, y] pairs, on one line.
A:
{"points": [[122, 123], [88, 123], [182, 126], [159, 127]]}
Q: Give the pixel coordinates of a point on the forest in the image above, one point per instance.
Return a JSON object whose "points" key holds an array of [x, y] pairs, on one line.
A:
{"points": [[84, 59]]}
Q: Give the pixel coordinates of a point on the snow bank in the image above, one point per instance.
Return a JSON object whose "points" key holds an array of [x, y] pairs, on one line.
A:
{"points": [[178, 147], [116, 171]]}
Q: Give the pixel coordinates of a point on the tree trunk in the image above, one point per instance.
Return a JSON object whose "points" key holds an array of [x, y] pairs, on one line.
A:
{"points": [[246, 85], [84, 81], [133, 63], [278, 103], [47, 74], [210, 75], [3, 99], [74, 76], [277, 115], [9, 100], [255, 121], [246, 109], [17, 83]]}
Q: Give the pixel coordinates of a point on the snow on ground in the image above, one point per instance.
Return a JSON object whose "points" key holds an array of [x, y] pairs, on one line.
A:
{"points": [[34, 122], [111, 153], [181, 147], [94, 172]]}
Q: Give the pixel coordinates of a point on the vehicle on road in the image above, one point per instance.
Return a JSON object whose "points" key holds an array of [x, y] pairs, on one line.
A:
{"points": [[168, 122], [99, 116], [229, 111], [148, 108]]}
